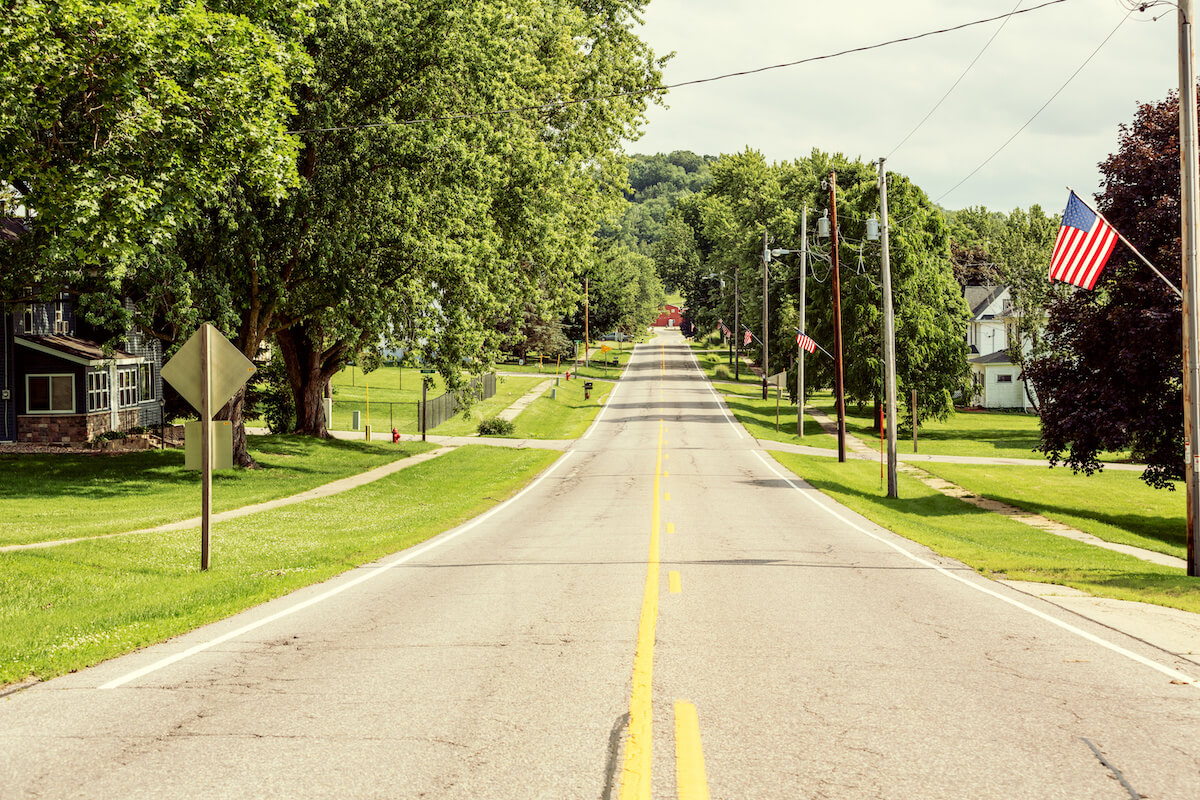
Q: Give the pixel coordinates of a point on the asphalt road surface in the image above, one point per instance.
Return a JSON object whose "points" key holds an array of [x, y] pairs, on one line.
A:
{"points": [[665, 613]]}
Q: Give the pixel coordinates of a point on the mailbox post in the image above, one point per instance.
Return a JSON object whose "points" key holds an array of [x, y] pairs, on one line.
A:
{"points": [[587, 390]]}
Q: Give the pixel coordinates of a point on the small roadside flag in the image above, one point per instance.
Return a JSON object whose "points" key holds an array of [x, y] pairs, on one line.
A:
{"points": [[807, 343], [1085, 241]]}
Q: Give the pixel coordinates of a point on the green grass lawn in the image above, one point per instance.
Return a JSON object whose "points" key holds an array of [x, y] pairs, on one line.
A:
{"points": [[990, 543], [508, 391], [758, 416], [1115, 506], [62, 496], [566, 416], [384, 413], [68, 607], [993, 434], [713, 357], [997, 434]]}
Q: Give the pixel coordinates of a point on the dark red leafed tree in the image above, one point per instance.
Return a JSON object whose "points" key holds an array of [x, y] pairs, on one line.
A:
{"points": [[1112, 376]]}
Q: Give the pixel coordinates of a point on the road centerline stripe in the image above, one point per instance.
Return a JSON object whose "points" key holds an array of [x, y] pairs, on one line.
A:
{"points": [[691, 783], [673, 581], [635, 774]]}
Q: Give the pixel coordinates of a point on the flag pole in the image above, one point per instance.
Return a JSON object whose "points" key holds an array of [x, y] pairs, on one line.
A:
{"points": [[814, 341], [1127, 243]]}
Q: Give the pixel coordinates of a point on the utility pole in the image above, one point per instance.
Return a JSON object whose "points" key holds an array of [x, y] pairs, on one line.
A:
{"points": [[799, 349], [1189, 191], [838, 385], [737, 329], [766, 258], [586, 345], [889, 336]]}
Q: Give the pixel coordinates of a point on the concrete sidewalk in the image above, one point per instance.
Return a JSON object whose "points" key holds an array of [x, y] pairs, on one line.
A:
{"points": [[524, 401]]}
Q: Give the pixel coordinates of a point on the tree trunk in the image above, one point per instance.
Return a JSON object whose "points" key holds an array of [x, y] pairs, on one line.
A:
{"points": [[232, 411], [310, 366]]}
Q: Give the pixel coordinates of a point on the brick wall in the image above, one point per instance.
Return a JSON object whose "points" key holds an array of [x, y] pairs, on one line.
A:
{"points": [[70, 428]]}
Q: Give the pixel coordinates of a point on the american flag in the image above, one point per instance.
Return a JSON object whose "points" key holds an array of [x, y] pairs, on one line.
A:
{"points": [[807, 343], [1084, 243], [746, 339]]}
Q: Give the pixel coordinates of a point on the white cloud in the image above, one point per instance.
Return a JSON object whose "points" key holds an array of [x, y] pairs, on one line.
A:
{"points": [[863, 104]]}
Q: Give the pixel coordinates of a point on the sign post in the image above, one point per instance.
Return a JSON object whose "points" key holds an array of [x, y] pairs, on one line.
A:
{"points": [[778, 380], [207, 371], [424, 400]]}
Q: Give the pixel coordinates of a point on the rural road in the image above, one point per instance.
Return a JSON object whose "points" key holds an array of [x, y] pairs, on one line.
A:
{"points": [[665, 612]]}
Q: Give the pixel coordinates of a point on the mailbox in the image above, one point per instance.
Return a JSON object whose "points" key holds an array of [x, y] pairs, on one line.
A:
{"points": [[587, 390]]}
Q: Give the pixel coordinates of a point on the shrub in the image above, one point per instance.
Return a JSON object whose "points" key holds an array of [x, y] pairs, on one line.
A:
{"points": [[110, 435], [270, 395], [495, 427], [722, 373]]}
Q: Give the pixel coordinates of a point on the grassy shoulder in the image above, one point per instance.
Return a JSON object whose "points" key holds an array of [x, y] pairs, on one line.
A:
{"points": [[1114, 506], [758, 416], [63, 496], [69, 607], [715, 363], [992, 544], [565, 416]]}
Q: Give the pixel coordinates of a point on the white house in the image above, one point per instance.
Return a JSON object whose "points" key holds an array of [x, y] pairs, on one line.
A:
{"points": [[998, 382]]}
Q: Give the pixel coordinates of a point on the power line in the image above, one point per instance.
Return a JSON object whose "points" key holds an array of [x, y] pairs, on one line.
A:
{"points": [[938, 104], [561, 104], [1028, 122]]}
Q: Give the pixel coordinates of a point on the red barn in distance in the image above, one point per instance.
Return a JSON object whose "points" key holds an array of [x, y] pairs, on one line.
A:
{"points": [[670, 317]]}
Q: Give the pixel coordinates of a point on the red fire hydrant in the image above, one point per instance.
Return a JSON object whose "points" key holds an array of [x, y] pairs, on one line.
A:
{"points": [[568, 374], [395, 435]]}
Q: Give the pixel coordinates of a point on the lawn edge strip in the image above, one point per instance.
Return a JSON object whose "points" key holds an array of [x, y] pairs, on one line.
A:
{"points": [[329, 565], [324, 490], [875, 508]]}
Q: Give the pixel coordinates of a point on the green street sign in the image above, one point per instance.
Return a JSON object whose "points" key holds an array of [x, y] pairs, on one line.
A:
{"points": [[428, 371]]}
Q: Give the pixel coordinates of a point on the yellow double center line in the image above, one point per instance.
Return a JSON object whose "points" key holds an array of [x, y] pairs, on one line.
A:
{"points": [[635, 779]]}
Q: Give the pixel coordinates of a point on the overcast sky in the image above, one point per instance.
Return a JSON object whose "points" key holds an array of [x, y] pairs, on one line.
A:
{"points": [[864, 104]]}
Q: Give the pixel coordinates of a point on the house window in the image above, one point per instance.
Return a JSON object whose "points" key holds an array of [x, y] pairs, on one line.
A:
{"points": [[28, 321], [50, 394], [127, 390], [97, 391], [146, 381], [60, 323], [1004, 378]]}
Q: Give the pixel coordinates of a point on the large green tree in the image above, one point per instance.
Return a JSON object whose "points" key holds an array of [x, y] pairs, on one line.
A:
{"points": [[1110, 377], [429, 213], [749, 196], [119, 120]]}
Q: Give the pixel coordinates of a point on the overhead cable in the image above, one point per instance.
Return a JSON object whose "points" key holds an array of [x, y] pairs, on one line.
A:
{"points": [[645, 90]]}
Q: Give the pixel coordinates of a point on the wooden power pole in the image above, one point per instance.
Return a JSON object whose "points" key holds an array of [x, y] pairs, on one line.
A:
{"points": [[838, 385]]}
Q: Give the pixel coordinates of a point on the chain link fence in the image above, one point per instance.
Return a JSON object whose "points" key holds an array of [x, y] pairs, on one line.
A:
{"points": [[439, 409]]}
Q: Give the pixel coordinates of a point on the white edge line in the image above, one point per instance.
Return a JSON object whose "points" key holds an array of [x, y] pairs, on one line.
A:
{"points": [[737, 426], [406, 556], [611, 395], [1168, 671]]}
